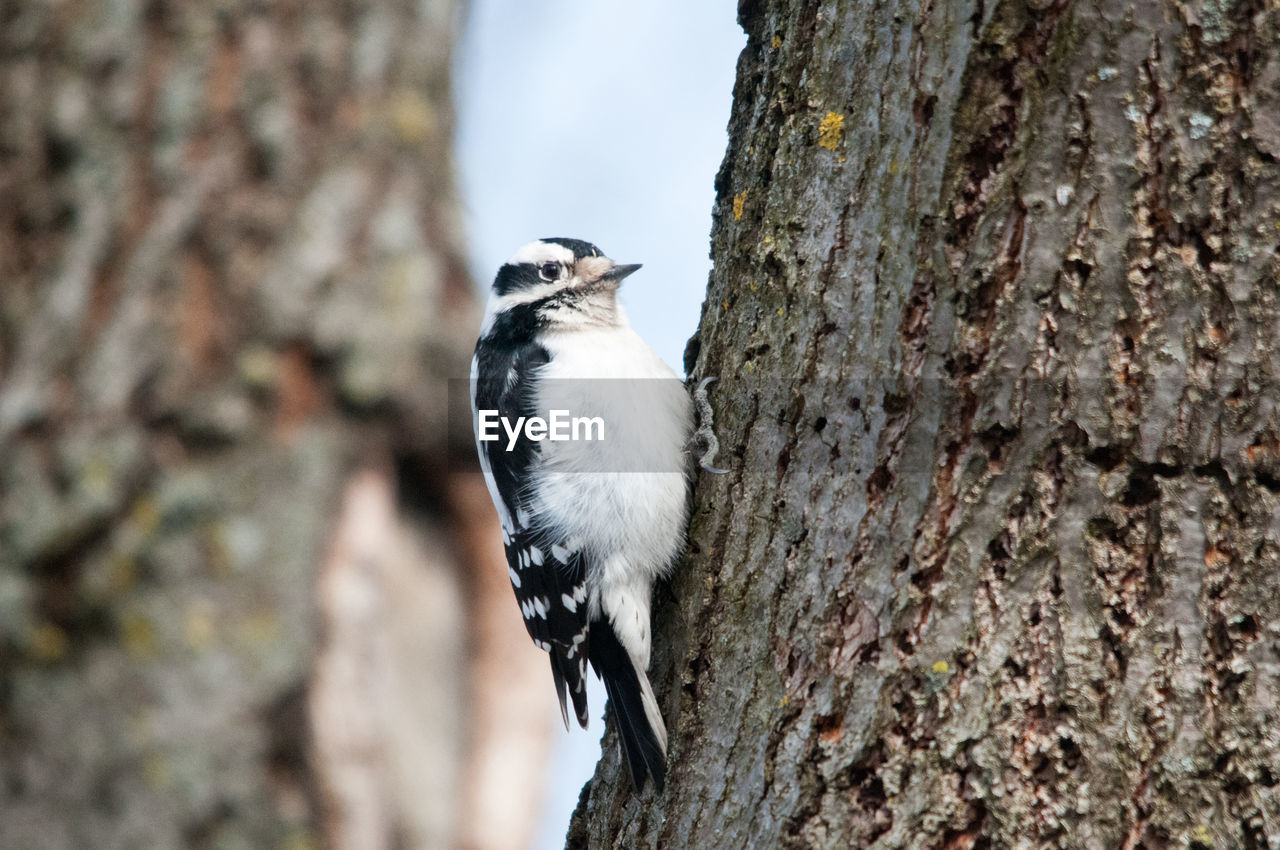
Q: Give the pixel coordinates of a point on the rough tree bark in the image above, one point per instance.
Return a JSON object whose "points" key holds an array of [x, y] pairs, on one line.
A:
{"points": [[994, 310], [234, 562]]}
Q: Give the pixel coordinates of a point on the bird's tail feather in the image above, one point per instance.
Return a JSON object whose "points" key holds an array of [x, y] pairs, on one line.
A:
{"points": [[640, 726], [569, 678]]}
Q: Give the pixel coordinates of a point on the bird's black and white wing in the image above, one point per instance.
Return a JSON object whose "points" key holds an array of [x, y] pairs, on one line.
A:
{"points": [[547, 574]]}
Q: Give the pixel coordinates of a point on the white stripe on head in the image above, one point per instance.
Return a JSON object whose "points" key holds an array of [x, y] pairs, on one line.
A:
{"points": [[541, 252]]}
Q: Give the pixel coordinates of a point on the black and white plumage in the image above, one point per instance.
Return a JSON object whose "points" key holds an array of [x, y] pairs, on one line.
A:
{"points": [[587, 527]]}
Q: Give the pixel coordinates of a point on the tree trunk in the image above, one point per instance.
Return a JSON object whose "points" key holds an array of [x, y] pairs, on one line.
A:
{"points": [[994, 312], [242, 592]]}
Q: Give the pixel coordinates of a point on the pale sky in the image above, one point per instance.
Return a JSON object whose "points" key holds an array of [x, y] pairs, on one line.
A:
{"points": [[601, 120]]}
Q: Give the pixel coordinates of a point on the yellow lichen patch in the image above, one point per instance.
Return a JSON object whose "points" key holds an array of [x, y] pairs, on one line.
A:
{"points": [[399, 279], [941, 667], [49, 642], [831, 130], [258, 366], [139, 635], [200, 630], [1201, 835], [123, 574], [411, 118], [739, 201], [157, 771], [218, 549], [776, 43], [145, 514], [300, 840], [259, 629], [97, 473]]}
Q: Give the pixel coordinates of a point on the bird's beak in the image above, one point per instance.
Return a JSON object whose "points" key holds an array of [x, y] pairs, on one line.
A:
{"points": [[617, 273]]}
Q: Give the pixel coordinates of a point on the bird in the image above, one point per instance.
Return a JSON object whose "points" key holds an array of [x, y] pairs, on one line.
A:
{"points": [[588, 524]]}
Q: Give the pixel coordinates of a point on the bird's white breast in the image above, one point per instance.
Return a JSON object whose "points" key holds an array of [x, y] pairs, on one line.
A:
{"points": [[624, 497]]}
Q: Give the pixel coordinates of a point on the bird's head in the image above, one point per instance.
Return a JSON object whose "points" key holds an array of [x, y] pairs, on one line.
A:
{"points": [[559, 283]]}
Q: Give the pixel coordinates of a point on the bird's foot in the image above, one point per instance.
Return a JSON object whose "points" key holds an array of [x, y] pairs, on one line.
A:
{"points": [[706, 423]]}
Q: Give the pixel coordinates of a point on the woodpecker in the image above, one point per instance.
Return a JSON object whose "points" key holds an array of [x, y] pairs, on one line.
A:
{"points": [[588, 526]]}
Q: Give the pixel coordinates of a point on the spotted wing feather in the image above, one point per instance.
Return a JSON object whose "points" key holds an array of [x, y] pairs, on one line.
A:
{"points": [[547, 574]]}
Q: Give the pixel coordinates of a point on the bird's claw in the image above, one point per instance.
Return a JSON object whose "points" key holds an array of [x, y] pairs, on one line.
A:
{"points": [[706, 421]]}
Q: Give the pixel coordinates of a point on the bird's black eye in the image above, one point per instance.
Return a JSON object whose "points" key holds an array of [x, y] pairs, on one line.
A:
{"points": [[549, 271]]}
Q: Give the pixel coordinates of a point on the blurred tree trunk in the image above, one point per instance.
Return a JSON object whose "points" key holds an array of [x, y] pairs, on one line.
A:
{"points": [[995, 310], [242, 591]]}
